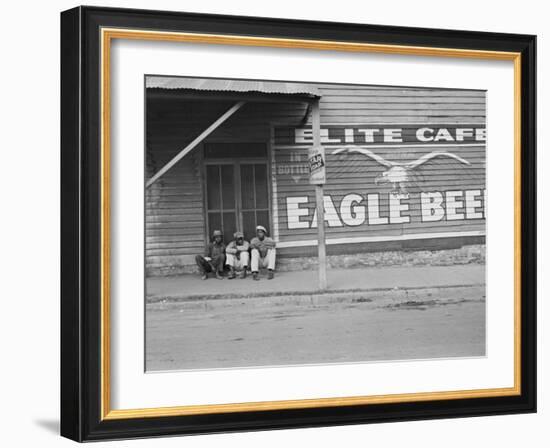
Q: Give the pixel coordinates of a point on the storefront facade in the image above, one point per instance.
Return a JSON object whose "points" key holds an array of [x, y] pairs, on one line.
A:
{"points": [[405, 171]]}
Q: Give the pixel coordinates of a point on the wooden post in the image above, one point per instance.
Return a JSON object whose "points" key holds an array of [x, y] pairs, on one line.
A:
{"points": [[319, 198]]}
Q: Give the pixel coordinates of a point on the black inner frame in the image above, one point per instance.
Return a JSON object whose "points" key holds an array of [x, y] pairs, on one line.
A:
{"points": [[80, 223]]}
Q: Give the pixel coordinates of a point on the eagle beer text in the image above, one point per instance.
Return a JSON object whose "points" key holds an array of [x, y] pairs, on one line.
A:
{"points": [[356, 209]]}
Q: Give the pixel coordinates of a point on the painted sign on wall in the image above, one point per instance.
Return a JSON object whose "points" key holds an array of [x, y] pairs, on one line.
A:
{"points": [[383, 180], [356, 209], [383, 134]]}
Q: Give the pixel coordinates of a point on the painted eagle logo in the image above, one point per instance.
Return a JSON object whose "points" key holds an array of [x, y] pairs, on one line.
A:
{"points": [[399, 174]]}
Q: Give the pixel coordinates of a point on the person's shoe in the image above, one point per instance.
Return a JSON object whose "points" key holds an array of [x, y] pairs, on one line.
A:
{"points": [[243, 273], [219, 276], [270, 275], [232, 274], [204, 277], [255, 276]]}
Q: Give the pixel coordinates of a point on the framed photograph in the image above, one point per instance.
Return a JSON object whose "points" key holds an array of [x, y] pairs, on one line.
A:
{"points": [[277, 224]]}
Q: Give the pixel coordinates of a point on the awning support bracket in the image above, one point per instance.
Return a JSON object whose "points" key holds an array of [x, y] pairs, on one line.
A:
{"points": [[195, 142]]}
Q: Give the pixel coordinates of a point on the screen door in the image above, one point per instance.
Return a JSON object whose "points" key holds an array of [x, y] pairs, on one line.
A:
{"points": [[237, 193]]}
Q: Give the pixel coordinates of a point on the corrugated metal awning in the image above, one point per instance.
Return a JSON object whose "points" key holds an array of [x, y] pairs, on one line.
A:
{"points": [[223, 85]]}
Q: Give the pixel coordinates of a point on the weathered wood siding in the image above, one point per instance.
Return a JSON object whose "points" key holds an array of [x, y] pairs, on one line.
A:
{"points": [[175, 223], [353, 173], [175, 211]]}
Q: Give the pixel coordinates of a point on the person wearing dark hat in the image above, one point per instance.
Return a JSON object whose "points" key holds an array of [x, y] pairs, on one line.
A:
{"points": [[263, 253], [214, 257], [237, 255]]}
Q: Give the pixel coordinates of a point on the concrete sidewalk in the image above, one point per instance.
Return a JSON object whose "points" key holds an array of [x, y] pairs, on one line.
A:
{"points": [[187, 286]]}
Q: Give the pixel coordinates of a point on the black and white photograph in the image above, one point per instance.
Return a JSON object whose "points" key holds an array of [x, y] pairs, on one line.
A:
{"points": [[296, 223]]}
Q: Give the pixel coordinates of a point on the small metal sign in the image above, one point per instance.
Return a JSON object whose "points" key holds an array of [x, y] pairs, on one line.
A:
{"points": [[316, 159]]}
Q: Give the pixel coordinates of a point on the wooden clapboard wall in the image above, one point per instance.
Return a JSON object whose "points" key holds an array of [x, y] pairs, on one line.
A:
{"points": [[175, 216], [175, 221], [354, 173]]}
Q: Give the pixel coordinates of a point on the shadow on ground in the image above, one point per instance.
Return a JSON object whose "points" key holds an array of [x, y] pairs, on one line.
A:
{"points": [[49, 425]]}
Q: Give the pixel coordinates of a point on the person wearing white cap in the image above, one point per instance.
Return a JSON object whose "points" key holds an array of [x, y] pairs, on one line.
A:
{"points": [[263, 253], [237, 255]]}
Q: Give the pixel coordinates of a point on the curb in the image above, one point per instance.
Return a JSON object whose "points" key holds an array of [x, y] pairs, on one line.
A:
{"points": [[311, 297]]}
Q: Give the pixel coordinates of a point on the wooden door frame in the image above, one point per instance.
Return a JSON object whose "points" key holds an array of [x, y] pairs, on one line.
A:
{"points": [[217, 162], [255, 161], [236, 162]]}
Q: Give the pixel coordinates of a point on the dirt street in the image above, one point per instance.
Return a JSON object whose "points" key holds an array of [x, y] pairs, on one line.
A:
{"points": [[369, 326]]}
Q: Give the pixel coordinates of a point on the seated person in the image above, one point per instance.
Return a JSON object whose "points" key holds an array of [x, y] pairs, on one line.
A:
{"points": [[237, 255], [214, 257], [263, 253]]}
